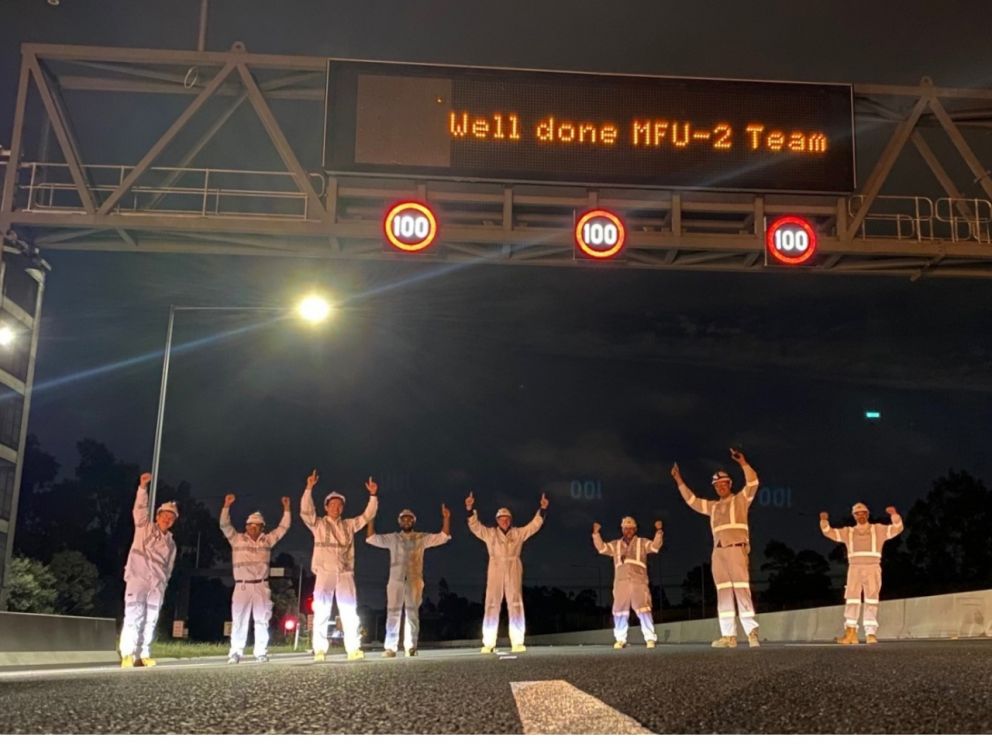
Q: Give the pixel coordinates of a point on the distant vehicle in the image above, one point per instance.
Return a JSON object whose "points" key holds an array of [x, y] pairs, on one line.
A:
{"points": [[336, 636]]}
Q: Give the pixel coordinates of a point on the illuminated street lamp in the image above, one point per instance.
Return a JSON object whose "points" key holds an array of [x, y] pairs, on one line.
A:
{"points": [[7, 335], [313, 309]]}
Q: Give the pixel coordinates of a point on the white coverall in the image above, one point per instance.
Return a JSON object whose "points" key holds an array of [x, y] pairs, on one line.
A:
{"points": [[630, 581], [864, 567], [406, 581], [251, 597], [731, 546], [333, 566], [149, 566], [505, 576]]}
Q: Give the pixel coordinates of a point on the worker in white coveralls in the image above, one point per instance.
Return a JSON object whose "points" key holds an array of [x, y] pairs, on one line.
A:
{"points": [[251, 552], [504, 578], [405, 589], [630, 578], [731, 546], [864, 568], [149, 566], [333, 565]]}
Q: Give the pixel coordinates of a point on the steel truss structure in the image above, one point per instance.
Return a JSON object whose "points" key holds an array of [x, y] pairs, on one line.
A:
{"points": [[179, 195]]}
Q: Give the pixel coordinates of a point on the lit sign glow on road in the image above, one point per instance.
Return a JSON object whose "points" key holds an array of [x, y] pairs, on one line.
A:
{"points": [[524, 125]]}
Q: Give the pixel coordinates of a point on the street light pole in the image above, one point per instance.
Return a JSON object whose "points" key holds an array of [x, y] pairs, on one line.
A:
{"points": [[312, 308], [157, 448]]}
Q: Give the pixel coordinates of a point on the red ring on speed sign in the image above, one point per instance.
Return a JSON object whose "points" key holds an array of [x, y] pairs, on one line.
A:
{"points": [[792, 254], [597, 249], [413, 235]]}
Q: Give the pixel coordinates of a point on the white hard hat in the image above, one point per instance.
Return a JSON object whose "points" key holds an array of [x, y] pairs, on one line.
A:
{"points": [[720, 475], [406, 513], [256, 518], [503, 512], [859, 507], [169, 506], [334, 495], [628, 522]]}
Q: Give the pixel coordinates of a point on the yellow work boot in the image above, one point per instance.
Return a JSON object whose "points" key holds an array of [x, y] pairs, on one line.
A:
{"points": [[147, 662], [649, 644], [518, 649], [752, 639], [389, 653], [725, 642], [356, 655], [411, 651], [850, 637], [487, 649], [870, 638], [319, 656], [620, 644], [127, 662]]}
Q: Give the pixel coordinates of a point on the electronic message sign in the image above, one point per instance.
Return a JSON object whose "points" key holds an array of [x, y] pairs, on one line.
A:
{"points": [[529, 126]]}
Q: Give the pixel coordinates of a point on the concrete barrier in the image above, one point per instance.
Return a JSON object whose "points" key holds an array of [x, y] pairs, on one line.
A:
{"points": [[28, 639], [948, 616]]}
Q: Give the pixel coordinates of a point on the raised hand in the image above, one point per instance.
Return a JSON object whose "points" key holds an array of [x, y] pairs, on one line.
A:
{"points": [[445, 512], [228, 500], [544, 501], [146, 478], [596, 527], [657, 525], [677, 474], [891, 511], [285, 503], [737, 456], [470, 501], [312, 480], [371, 486]]}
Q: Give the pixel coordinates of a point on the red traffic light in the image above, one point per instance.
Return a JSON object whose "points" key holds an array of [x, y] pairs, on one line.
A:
{"points": [[289, 624]]}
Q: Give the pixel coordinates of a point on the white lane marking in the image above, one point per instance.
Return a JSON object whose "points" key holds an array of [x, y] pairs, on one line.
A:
{"points": [[556, 707]]}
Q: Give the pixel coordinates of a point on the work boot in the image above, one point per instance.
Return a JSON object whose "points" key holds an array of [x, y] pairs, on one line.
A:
{"points": [[356, 655], [519, 649], [263, 659], [319, 656], [487, 649], [850, 637], [870, 638], [649, 644], [389, 653], [725, 642], [127, 662], [234, 658], [620, 644], [411, 651], [752, 639], [147, 661]]}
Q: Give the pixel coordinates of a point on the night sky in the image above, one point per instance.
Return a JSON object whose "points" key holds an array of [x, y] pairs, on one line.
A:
{"points": [[507, 380]]}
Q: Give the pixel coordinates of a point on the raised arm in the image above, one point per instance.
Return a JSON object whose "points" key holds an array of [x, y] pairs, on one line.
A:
{"points": [[896, 527], [831, 533], [659, 537], [308, 512], [140, 510], [280, 530], [751, 481], [440, 538], [597, 540], [703, 506], [370, 508], [474, 526], [531, 528], [225, 518]]}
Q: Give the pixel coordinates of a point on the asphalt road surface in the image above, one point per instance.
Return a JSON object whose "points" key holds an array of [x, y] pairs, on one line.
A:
{"points": [[897, 687]]}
